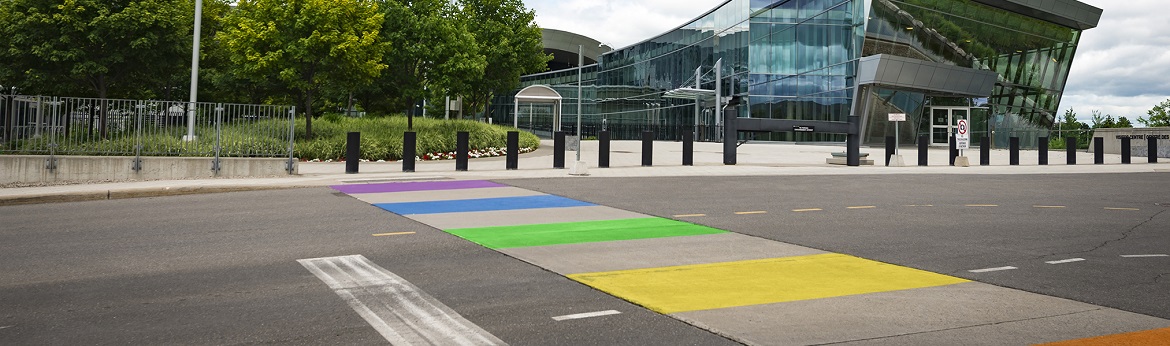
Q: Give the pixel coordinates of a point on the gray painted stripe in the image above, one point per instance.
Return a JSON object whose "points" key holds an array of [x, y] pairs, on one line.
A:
{"points": [[922, 316], [402, 313], [444, 195], [524, 217], [653, 253]]}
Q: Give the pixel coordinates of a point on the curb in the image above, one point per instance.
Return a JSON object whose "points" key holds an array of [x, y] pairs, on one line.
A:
{"points": [[133, 193]]}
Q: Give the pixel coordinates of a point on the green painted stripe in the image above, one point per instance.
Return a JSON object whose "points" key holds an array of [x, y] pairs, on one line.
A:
{"points": [[580, 232]]}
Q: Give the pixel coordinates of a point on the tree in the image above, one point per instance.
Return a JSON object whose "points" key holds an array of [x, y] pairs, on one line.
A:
{"points": [[509, 40], [433, 55], [305, 45], [1123, 122], [1159, 115], [101, 48]]}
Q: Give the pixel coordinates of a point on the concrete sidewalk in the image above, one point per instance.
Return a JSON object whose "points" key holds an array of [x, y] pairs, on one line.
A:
{"points": [[755, 158]]}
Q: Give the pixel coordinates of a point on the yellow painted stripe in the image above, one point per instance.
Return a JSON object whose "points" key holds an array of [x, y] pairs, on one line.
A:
{"points": [[862, 207], [390, 234], [1129, 209], [982, 205], [1149, 337], [809, 209], [729, 284], [691, 215], [750, 212], [1048, 206]]}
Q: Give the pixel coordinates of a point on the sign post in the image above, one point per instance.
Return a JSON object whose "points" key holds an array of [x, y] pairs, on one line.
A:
{"points": [[896, 160], [962, 142]]}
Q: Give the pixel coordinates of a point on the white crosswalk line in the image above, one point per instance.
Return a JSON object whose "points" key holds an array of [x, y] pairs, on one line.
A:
{"points": [[398, 310]]}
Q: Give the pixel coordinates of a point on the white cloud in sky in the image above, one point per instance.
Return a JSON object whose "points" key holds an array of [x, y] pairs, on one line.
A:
{"points": [[1122, 67]]}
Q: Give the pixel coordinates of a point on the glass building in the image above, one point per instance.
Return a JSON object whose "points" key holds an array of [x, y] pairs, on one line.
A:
{"points": [[1001, 64]]}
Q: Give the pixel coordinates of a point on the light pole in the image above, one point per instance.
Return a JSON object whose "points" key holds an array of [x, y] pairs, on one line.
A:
{"points": [[579, 167], [194, 73]]}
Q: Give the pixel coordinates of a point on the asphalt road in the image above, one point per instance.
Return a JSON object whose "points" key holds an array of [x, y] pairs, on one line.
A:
{"points": [[948, 224], [222, 269]]}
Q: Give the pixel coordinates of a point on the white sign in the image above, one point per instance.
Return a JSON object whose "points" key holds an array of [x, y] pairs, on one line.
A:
{"points": [[897, 116], [962, 136]]}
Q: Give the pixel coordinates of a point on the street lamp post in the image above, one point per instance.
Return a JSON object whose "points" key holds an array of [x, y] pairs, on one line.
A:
{"points": [[579, 167], [191, 108]]}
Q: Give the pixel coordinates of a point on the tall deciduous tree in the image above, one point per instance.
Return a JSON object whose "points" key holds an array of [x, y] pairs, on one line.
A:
{"points": [[1159, 115], [511, 43], [305, 45], [101, 48], [433, 54]]}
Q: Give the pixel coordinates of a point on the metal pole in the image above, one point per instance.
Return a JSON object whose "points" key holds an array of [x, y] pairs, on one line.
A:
{"points": [[194, 72], [719, 94], [580, 61]]}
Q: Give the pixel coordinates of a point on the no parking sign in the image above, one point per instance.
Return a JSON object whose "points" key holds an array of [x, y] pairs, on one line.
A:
{"points": [[962, 137]]}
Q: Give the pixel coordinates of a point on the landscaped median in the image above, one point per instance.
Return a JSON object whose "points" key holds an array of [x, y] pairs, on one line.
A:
{"points": [[381, 138]]}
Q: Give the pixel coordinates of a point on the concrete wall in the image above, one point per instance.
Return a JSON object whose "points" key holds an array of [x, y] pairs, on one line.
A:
{"points": [[1137, 140], [32, 169]]}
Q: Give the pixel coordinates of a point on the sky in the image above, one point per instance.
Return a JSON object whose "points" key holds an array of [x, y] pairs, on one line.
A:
{"points": [[1122, 67]]}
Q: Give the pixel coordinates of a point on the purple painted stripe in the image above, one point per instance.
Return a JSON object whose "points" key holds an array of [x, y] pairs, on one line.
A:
{"points": [[416, 186]]}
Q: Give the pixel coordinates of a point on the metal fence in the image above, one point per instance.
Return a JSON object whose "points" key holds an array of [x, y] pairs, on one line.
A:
{"points": [[46, 125]]}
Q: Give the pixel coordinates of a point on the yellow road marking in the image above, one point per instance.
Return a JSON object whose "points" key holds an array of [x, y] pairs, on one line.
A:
{"points": [[1048, 206], [750, 212], [390, 234], [863, 207], [691, 215], [809, 209], [774, 280], [1129, 209], [982, 205]]}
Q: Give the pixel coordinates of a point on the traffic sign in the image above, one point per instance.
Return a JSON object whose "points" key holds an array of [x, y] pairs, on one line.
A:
{"points": [[897, 116], [962, 137]]}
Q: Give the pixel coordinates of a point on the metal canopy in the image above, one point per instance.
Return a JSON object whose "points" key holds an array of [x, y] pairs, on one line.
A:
{"points": [[704, 95]]}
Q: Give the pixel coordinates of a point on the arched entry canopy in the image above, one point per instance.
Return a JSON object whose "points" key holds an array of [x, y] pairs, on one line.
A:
{"points": [[542, 94]]}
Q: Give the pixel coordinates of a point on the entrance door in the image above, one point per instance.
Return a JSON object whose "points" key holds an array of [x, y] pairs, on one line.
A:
{"points": [[943, 121]]}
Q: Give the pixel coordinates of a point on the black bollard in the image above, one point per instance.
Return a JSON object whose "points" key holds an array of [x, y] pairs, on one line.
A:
{"points": [[985, 151], [889, 149], [559, 149], [1098, 150], [353, 152], [409, 142], [1125, 151], [688, 149], [647, 148], [1043, 151], [1014, 156], [513, 161], [954, 150], [1071, 150], [461, 149], [603, 149], [1152, 147], [923, 143]]}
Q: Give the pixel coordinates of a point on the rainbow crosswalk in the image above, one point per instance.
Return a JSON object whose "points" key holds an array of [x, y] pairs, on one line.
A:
{"points": [[754, 290]]}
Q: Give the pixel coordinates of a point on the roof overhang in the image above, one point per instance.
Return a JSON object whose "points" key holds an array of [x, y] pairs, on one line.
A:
{"points": [[932, 78], [1070, 13]]}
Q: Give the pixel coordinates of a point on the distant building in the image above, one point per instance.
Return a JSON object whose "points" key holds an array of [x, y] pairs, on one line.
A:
{"points": [[1001, 64]]}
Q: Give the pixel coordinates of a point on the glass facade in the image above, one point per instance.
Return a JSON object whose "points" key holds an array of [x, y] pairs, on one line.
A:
{"points": [[798, 59]]}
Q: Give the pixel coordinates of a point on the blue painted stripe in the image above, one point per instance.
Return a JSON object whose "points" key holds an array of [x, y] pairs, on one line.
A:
{"points": [[483, 204]]}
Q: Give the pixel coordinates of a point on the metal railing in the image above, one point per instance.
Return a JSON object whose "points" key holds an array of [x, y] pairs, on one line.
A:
{"points": [[46, 125]]}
